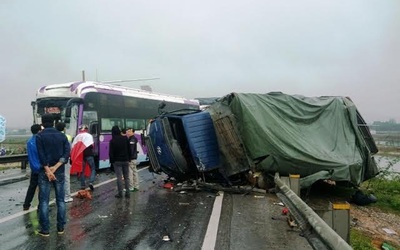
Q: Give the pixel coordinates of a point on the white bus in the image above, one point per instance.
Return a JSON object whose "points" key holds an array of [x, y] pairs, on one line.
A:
{"points": [[101, 106]]}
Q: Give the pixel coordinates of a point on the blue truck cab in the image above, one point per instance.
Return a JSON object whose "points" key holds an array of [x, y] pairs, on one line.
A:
{"points": [[183, 144]]}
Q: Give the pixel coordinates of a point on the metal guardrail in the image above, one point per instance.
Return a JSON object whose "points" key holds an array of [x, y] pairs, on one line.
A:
{"points": [[23, 158], [314, 228]]}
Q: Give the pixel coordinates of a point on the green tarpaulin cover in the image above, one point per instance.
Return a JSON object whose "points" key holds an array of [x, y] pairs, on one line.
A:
{"points": [[316, 137]]}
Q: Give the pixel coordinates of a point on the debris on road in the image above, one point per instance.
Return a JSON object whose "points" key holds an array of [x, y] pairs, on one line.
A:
{"points": [[389, 231], [279, 203]]}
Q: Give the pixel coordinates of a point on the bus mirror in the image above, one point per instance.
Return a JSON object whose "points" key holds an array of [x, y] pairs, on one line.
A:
{"points": [[67, 113], [161, 106], [69, 105]]}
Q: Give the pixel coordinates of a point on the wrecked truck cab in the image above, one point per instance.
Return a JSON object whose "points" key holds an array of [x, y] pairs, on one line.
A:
{"points": [[183, 144]]}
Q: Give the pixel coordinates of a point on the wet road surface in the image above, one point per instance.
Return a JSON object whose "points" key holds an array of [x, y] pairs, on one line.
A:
{"points": [[153, 218]]}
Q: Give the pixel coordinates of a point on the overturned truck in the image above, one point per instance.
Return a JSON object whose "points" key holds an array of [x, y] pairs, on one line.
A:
{"points": [[319, 138]]}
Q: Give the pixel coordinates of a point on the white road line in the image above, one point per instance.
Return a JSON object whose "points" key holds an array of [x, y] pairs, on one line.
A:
{"points": [[212, 229], [13, 216]]}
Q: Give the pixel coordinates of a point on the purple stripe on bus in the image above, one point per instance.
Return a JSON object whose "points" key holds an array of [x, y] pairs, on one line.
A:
{"points": [[139, 138], [74, 86], [190, 102], [104, 146], [41, 90]]}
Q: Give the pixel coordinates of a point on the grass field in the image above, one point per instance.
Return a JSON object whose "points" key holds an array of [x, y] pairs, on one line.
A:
{"points": [[15, 144]]}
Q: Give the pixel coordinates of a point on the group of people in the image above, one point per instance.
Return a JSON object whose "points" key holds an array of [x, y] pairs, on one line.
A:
{"points": [[53, 156]]}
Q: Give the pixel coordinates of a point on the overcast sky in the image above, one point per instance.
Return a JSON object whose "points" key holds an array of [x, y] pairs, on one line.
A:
{"points": [[204, 48]]}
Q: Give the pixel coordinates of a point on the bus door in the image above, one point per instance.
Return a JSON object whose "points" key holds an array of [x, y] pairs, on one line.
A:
{"points": [[142, 157], [102, 147], [94, 131]]}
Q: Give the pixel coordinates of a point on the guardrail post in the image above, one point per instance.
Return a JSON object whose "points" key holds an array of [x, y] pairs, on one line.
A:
{"points": [[341, 220], [319, 233], [23, 165], [337, 216], [23, 159], [293, 182]]}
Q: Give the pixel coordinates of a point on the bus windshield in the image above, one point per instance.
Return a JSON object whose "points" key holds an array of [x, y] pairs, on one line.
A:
{"points": [[55, 106]]}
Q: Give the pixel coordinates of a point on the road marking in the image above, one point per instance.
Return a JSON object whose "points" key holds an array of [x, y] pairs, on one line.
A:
{"points": [[13, 216], [212, 229]]}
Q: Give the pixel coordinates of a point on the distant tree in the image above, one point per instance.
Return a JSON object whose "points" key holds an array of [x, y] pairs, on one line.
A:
{"points": [[21, 131], [390, 125]]}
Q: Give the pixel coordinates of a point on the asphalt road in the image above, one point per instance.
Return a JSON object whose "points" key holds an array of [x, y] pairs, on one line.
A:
{"points": [[153, 218]]}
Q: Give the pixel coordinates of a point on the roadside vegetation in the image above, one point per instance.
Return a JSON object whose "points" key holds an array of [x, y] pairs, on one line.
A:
{"points": [[386, 188], [360, 241], [14, 145]]}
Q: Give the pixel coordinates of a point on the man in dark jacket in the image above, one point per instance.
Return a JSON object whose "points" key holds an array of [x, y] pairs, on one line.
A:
{"points": [[119, 155], [53, 147]]}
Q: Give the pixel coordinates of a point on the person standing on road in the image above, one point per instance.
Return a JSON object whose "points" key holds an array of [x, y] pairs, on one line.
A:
{"points": [[53, 148], [34, 164], [82, 157], [133, 173], [119, 155], [60, 126]]}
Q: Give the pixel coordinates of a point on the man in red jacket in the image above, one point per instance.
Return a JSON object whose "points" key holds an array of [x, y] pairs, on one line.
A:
{"points": [[82, 157]]}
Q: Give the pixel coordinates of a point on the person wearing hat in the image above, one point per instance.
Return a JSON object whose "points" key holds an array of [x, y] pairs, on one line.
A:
{"points": [[53, 147]]}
